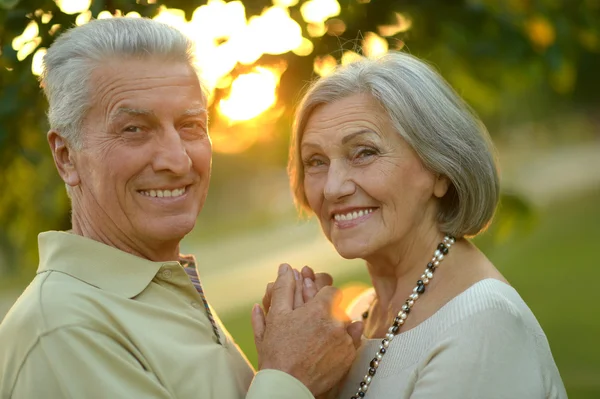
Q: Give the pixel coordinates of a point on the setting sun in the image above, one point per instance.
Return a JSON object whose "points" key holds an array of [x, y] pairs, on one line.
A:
{"points": [[251, 94], [229, 46]]}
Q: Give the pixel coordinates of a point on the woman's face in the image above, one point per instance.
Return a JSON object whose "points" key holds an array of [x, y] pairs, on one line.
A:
{"points": [[367, 186]]}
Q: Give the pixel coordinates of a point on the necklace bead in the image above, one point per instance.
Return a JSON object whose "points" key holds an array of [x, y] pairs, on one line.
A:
{"points": [[399, 320]]}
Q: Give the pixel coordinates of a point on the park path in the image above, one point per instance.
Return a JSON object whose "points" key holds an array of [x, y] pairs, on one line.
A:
{"points": [[233, 282]]}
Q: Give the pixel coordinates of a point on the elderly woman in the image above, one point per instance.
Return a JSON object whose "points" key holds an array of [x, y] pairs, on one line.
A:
{"points": [[399, 171]]}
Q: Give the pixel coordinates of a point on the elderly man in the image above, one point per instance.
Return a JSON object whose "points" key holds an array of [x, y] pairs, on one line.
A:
{"points": [[114, 310]]}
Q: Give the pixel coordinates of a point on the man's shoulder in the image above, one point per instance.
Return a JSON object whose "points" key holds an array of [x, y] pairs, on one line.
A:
{"points": [[52, 300]]}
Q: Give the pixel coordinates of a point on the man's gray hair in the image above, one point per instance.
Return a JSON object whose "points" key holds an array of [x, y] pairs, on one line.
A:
{"points": [[442, 129], [73, 56]]}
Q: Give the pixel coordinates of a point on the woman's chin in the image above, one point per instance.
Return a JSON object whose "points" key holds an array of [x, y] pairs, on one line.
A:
{"points": [[351, 250]]}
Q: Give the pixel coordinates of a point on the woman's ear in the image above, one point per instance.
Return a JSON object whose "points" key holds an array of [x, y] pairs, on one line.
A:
{"points": [[440, 187], [64, 158]]}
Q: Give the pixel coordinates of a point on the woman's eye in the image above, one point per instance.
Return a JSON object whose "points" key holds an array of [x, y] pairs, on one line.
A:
{"points": [[366, 152], [314, 162]]}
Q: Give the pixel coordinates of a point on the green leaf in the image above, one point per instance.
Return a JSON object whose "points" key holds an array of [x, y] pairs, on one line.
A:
{"points": [[8, 4]]}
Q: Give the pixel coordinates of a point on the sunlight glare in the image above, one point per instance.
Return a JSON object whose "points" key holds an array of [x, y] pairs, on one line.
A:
{"points": [[279, 32], [285, 3], [224, 38], [47, 17], [349, 57], [37, 63], [104, 15], [73, 6], [323, 66], [217, 20], [30, 32], [251, 94], [28, 48], [305, 48], [374, 45], [318, 11], [402, 24], [83, 18], [316, 30], [171, 16]]}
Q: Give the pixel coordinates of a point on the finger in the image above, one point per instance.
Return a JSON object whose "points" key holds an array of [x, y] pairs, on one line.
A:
{"points": [[355, 330], [282, 296], [298, 294], [267, 298], [330, 298], [258, 324], [309, 290], [322, 280], [307, 272], [330, 295]]}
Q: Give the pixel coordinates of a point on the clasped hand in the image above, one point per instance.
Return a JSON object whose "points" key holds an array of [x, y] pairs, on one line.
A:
{"points": [[303, 332]]}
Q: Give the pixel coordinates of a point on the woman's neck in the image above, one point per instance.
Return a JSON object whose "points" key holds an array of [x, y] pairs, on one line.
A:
{"points": [[395, 272], [400, 267]]}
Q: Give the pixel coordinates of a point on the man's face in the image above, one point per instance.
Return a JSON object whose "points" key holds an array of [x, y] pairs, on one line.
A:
{"points": [[144, 167]]}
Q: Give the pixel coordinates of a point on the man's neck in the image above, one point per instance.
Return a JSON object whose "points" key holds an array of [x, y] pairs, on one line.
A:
{"points": [[156, 252]]}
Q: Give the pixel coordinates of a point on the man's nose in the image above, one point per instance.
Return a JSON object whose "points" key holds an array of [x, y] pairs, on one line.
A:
{"points": [[171, 154]]}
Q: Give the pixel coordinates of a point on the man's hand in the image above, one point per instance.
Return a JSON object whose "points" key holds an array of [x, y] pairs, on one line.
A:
{"points": [[307, 285], [307, 342]]}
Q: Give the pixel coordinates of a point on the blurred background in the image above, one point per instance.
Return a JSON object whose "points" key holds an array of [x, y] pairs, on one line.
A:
{"points": [[530, 68]]}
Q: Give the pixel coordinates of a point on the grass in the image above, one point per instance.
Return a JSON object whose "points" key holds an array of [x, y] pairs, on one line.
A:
{"points": [[554, 267]]}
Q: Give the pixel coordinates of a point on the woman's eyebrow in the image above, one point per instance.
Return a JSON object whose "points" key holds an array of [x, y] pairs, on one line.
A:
{"points": [[351, 136], [309, 145]]}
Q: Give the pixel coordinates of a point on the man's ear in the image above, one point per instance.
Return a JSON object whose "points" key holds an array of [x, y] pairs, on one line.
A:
{"points": [[64, 158], [440, 187]]}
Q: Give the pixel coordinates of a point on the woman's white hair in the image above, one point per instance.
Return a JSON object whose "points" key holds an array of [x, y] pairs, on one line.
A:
{"points": [[443, 130], [73, 56]]}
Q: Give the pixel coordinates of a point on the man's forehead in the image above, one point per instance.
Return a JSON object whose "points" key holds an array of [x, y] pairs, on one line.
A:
{"points": [[131, 76]]}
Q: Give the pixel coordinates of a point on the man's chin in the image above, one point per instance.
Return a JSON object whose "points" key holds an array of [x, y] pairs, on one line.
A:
{"points": [[170, 229]]}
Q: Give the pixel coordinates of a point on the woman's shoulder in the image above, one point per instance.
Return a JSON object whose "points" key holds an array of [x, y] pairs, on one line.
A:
{"points": [[489, 297]]}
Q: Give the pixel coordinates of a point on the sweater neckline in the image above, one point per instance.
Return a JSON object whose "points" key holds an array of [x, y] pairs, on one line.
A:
{"points": [[431, 319]]}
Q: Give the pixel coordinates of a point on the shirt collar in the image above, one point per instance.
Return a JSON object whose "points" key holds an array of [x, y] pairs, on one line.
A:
{"points": [[97, 264]]}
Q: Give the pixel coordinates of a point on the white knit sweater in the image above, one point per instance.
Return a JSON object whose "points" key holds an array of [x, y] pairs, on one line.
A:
{"points": [[484, 343]]}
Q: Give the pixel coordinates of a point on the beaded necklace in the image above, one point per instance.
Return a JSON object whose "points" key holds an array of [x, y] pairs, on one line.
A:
{"points": [[399, 320]]}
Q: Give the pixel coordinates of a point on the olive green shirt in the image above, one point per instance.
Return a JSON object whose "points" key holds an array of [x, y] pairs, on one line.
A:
{"points": [[97, 322]]}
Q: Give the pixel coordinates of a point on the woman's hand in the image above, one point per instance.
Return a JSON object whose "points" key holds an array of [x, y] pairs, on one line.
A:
{"points": [[307, 285], [313, 342]]}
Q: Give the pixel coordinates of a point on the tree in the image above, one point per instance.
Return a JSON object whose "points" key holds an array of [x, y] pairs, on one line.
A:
{"points": [[512, 60]]}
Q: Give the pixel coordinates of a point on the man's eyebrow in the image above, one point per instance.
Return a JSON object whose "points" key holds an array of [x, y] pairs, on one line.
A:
{"points": [[351, 136], [147, 112], [132, 112], [194, 112]]}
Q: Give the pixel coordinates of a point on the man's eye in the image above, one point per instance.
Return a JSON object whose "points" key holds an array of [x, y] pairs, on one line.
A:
{"points": [[191, 125], [132, 129], [194, 125]]}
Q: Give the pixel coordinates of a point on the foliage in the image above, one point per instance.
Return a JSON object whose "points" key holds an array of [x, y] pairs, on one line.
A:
{"points": [[512, 60]]}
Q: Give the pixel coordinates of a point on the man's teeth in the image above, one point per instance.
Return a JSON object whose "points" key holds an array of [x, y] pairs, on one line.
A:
{"points": [[352, 215], [164, 193]]}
